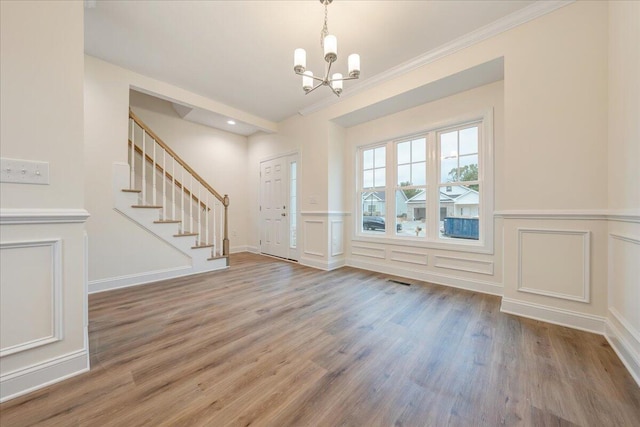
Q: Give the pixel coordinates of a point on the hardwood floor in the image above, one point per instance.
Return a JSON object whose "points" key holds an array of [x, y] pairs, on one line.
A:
{"points": [[276, 344]]}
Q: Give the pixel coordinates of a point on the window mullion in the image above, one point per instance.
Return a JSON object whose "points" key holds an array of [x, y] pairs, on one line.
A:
{"points": [[433, 200]]}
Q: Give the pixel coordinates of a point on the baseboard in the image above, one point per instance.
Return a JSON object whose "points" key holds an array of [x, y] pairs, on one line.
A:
{"points": [[102, 285], [242, 248], [557, 316], [426, 276], [624, 342], [322, 264], [34, 377]]}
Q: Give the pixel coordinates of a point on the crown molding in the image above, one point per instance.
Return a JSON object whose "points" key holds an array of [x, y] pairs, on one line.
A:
{"points": [[510, 21]]}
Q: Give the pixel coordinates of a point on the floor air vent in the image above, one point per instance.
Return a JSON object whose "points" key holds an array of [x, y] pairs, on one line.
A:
{"points": [[399, 282]]}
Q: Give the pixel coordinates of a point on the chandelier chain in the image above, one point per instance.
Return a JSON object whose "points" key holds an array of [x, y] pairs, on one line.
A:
{"points": [[325, 30]]}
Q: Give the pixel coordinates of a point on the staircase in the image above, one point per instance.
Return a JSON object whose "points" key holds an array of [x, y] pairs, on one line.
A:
{"points": [[164, 195]]}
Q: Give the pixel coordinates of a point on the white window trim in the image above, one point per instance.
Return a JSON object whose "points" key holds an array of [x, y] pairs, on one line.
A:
{"points": [[485, 244]]}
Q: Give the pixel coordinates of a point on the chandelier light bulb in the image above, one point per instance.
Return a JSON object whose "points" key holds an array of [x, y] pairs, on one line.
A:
{"points": [[307, 81], [336, 82], [299, 60], [354, 65], [330, 48]]}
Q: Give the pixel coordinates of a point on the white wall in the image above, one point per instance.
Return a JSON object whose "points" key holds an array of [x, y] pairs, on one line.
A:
{"points": [[43, 322], [218, 157], [623, 326]]}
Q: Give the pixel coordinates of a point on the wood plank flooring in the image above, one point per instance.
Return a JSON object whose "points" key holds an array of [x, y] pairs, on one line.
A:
{"points": [[271, 343]]}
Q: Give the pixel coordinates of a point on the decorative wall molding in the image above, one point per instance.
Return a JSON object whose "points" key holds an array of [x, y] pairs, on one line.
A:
{"points": [[627, 239], [337, 237], [308, 224], [583, 215], [586, 264], [409, 257], [457, 263], [625, 341], [101, 285], [426, 276], [42, 216], [42, 374], [557, 316], [325, 213], [56, 333], [508, 22], [369, 252]]}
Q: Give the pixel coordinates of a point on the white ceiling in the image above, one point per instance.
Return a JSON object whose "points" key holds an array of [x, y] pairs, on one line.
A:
{"points": [[240, 53]]}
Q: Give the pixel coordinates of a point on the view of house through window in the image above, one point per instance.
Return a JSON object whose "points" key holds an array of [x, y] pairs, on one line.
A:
{"points": [[426, 187], [459, 185]]}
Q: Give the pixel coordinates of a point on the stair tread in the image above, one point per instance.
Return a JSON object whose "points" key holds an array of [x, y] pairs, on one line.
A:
{"points": [[216, 257], [146, 206], [131, 190], [167, 221], [185, 234], [201, 246]]}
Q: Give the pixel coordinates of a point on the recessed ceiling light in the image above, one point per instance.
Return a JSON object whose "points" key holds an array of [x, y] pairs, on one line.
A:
{"points": [[231, 122]]}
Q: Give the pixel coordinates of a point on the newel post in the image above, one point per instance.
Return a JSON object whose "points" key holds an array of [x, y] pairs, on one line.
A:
{"points": [[225, 240]]}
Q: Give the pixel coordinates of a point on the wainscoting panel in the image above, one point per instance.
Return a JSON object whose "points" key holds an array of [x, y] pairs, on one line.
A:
{"points": [[409, 257], [337, 234], [30, 298], [554, 263], [368, 252], [464, 264], [314, 237]]}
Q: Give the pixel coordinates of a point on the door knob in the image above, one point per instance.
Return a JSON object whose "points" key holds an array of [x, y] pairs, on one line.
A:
{"points": [[283, 214]]}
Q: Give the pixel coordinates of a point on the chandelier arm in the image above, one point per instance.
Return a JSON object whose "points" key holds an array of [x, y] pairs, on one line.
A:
{"points": [[334, 91], [345, 78], [313, 77], [326, 77], [314, 88]]}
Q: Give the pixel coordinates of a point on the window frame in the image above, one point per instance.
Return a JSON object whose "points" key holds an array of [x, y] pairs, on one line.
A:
{"points": [[432, 239]]}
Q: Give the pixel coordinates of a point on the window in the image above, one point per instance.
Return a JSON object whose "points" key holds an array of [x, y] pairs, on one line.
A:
{"points": [[428, 186], [372, 191], [411, 187]]}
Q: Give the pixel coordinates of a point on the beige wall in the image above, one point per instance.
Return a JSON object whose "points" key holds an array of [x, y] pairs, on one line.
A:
{"points": [[218, 157], [43, 299], [624, 181], [118, 247]]}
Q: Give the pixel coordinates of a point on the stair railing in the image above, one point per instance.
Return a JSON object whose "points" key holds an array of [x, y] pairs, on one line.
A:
{"points": [[186, 198]]}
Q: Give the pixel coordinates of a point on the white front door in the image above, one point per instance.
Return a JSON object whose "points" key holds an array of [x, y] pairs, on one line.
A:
{"points": [[274, 200]]}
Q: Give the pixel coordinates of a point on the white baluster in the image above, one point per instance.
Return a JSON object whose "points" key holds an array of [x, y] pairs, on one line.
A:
{"points": [[153, 172], [191, 204], [132, 181], [199, 213], [164, 184], [213, 227], [221, 234], [173, 188], [182, 201], [144, 167], [206, 218]]}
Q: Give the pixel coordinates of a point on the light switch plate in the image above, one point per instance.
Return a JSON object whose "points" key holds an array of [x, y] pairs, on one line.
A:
{"points": [[24, 171]]}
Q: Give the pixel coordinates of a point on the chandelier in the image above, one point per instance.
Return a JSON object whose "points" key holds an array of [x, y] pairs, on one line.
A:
{"points": [[330, 45]]}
